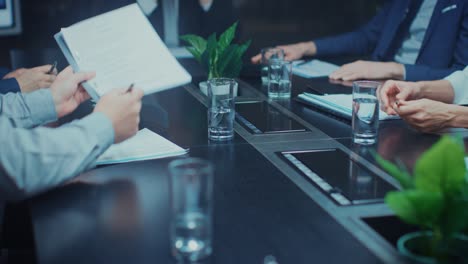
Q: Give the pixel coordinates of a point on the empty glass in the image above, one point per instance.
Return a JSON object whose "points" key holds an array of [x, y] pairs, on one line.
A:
{"points": [[365, 123], [221, 109], [267, 55], [191, 187], [279, 79]]}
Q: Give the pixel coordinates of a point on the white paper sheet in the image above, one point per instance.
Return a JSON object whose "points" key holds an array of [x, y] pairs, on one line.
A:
{"points": [[314, 69], [145, 145], [123, 48]]}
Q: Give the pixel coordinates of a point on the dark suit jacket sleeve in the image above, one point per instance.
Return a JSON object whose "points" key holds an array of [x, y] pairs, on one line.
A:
{"points": [[460, 57], [8, 85], [360, 42]]}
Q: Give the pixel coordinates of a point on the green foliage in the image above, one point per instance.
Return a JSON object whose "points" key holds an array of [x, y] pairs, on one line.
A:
{"points": [[219, 57], [436, 196]]}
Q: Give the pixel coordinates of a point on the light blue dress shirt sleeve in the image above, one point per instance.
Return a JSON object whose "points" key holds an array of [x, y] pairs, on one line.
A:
{"points": [[35, 160], [28, 110], [459, 82]]}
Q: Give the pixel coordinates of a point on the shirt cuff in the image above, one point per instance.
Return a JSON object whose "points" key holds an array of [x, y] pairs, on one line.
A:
{"points": [[457, 80], [41, 106], [207, 7], [10, 85], [404, 72], [102, 128]]}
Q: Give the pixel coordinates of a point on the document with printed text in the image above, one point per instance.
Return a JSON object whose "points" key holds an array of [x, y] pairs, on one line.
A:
{"points": [[145, 145], [123, 48]]}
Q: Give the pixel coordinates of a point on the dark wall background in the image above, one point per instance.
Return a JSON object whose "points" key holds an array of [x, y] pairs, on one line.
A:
{"points": [[266, 22]]}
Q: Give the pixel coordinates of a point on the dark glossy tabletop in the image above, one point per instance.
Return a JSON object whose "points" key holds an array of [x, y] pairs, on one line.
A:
{"points": [[119, 214]]}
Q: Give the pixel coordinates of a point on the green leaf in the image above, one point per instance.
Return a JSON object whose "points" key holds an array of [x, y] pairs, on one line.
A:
{"points": [[197, 45], [441, 168], [226, 38], [455, 216], [416, 207], [230, 62], [402, 176], [209, 57]]}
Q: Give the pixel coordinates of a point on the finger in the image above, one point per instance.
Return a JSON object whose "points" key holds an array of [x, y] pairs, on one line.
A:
{"points": [[407, 108], [403, 95], [44, 68], [137, 93], [83, 76], [256, 59], [352, 77], [290, 57]]}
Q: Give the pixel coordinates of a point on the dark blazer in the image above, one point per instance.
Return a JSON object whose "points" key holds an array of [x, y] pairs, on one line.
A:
{"points": [[8, 85], [444, 49], [192, 18]]}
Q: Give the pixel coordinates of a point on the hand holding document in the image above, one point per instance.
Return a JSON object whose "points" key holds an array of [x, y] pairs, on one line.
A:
{"points": [[145, 145], [339, 104], [122, 48], [314, 69]]}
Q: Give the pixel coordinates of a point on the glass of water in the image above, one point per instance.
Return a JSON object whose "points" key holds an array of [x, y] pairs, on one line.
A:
{"points": [[365, 122], [221, 109], [274, 54], [279, 79], [191, 188]]}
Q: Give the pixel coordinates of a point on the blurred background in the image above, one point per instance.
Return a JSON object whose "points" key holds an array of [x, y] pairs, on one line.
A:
{"points": [[266, 22]]}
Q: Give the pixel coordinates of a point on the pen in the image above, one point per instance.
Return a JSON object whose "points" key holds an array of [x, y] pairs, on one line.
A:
{"points": [[129, 90], [315, 90], [52, 68]]}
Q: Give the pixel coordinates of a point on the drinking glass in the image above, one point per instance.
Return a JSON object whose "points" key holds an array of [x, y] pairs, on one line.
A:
{"points": [[365, 123], [191, 188], [279, 79], [221, 109], [273, 54]]}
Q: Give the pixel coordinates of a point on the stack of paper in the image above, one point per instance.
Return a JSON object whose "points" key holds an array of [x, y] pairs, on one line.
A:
{"points": [[339, 104], [145, 145], [314, 69], [122, 48]]}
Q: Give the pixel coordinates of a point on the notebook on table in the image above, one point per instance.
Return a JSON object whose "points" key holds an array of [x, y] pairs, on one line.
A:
{"points": [[314, 68], [145, 145], [337, 104]]}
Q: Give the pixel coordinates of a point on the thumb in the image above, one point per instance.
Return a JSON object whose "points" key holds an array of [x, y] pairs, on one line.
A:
{"points": [[403, 95]]}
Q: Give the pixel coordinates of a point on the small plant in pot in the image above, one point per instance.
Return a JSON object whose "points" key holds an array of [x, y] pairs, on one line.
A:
{"points": [[219, 57], [434, 198]]}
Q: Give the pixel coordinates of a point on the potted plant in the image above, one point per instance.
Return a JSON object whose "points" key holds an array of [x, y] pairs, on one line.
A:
{"points": [[219, 57], [434, 198]]}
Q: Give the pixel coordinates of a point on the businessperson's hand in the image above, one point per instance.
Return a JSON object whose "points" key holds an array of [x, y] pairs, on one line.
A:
{"points": [[123, 109], [67, 91], [397, 91], [369, 70], [427, 115], [292, 52], [32, 79]]}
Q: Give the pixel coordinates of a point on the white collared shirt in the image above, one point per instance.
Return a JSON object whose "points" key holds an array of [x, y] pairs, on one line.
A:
{"points": [[459, 82]]}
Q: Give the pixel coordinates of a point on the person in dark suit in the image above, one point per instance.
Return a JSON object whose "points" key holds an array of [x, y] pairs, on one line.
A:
{"points": [[26, 80], [407, 40], [201, 17]]}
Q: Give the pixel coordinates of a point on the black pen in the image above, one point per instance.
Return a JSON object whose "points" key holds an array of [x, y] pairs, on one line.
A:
{"points": [[130, 89], [315, 90], [52, 68]]}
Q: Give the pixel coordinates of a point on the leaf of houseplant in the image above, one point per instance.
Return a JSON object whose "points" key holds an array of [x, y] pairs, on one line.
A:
{"points": [[226, 38], [441, 168], [455, 216], [403, 177], [230, 62], [197, 45], [416, 207], [209, 57]]}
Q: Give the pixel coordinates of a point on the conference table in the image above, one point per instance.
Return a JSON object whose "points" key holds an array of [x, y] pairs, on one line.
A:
{"points": [[266, 206]]}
